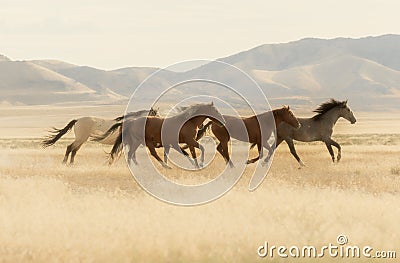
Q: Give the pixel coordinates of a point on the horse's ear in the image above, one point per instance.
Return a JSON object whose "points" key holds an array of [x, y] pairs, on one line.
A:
{"points": [[212, 103], [345, 103]]}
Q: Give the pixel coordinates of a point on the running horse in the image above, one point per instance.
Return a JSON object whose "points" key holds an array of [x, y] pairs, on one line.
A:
{"points": [[87, 127], [167, 132], [317, 128], [257, 127]]}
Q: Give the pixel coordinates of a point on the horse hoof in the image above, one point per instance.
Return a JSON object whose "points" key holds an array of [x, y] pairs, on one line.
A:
{"points": [[302, 164]]}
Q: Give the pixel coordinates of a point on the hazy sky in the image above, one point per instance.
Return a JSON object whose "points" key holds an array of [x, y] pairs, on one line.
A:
{"points": [[114, 34]]}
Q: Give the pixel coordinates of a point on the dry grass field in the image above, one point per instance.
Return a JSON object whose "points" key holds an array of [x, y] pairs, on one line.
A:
{"points": [[91, 212]]}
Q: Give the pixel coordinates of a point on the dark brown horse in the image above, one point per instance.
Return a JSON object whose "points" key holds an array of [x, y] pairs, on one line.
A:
{"points": [[167, 132], [255, 134]]}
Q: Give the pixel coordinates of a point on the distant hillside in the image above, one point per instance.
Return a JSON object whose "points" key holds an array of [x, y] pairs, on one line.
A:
{"points": [[366, 71], [27, 83], [384, 50]]}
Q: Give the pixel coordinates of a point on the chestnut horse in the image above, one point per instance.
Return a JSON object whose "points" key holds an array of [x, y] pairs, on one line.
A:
{"points": [[254, 134], [167, 132]]}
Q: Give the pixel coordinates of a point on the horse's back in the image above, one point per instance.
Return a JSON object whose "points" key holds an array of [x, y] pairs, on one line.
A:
{"points": [[86, 127], [309, 130], [242, 129]]}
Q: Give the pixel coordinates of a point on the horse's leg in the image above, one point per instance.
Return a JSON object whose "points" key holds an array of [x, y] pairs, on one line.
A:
{"points": [[260, 154], [337, 145], [225, 153], [73, 153], [201, 147], [330, 150], [182, 150], [270, 152], [193, 152], [192, 144], [293, 151], [177, 148], [67, 152], [155, 155], [166, 152], [133, 143], [185, 153], [219, 149], [278, 141], [132, 151]]}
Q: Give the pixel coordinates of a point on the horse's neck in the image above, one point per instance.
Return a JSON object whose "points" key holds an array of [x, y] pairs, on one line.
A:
{"points": [[263, 116], [332, 116], [278, 120], [277, 117], [198, 120]]}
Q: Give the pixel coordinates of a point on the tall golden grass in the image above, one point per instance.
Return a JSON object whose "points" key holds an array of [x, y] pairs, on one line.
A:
{"points": [[94, 213]]}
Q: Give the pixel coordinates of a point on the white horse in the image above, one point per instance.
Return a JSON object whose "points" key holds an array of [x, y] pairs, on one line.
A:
{"points": [[89, 127]]}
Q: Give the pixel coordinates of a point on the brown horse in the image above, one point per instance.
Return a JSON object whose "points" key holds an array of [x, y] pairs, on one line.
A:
{"points": [[255, 134], [167, 132]]}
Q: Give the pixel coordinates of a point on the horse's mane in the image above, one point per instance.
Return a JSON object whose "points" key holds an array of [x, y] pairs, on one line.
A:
{"points": [[188, 111], [181, 109], [327, 106], [131, 114]]}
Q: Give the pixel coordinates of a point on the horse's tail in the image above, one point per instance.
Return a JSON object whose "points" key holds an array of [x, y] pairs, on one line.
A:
{"points": [[127, 116], [120, 118], [202, 131], [57, 134], [107, 133], [116, 148]]}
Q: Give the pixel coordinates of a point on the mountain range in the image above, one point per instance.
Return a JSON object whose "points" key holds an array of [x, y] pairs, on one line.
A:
{"points": [[306, 72]]}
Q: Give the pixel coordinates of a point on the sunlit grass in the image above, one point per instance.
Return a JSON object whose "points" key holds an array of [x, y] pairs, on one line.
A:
{"points": [[91, 212]]}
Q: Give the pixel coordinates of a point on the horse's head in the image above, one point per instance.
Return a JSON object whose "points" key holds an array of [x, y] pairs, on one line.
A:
{"points": [[347, 113], [288, 117], [212, 112]]}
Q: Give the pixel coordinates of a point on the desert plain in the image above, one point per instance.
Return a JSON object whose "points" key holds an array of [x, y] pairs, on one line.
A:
{"points": [[92, 212]]}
